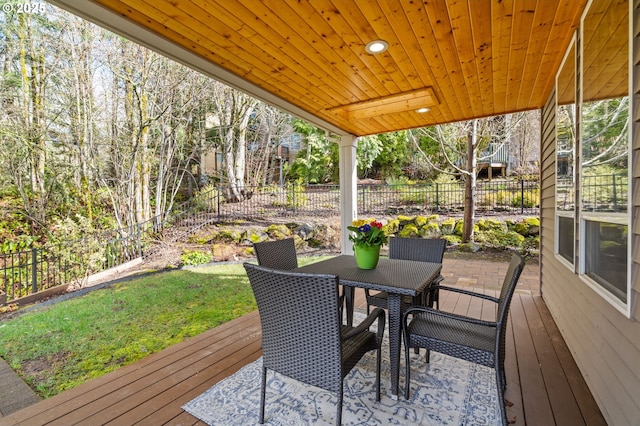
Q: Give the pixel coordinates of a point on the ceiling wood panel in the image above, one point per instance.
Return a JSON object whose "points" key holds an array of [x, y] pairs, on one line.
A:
{"points": [[434, 68], [606, 50], [342, 30], [566, 92], [519, 49], [480, 14], [501, 13], [457, 97], [465, 44], [540, 35], [480, 58], [306, 39], [394, 62]]}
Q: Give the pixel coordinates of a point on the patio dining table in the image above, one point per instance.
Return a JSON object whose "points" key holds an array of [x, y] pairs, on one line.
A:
{"points": [[397, 277]]}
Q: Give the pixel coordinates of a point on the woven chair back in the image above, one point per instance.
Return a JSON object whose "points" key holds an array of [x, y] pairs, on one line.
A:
{"points": [[420, 249], [279, 254], [300, 324]]}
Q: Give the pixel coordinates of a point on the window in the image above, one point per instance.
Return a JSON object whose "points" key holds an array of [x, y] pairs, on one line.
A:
{"points": [[606, 256], [565, 156], [592, 152], [604, 147]]}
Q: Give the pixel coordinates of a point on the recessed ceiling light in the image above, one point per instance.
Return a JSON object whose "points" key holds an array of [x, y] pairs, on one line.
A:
{"points": [[376, 46], [423, 110]]}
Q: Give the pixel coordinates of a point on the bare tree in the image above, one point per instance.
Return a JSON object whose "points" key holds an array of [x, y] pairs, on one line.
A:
{"points": [[272, 128], [27, 67], [523, 142], [456, 149], [232, 113], [92, 121]]}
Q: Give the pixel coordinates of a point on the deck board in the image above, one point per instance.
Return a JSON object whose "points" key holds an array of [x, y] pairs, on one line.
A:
{"points": [[544, 384], [563, 404], [586, 403], [535, 401], [513, 392]]}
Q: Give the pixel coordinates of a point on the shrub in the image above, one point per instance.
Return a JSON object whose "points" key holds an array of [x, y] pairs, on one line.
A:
{"points": [[392, 227], [448, 225], [409, 231], [459, 227], [531, 199], [414, 195], [529, 226], [452, 239], [421, 221], [486, 200], [446, 178], [403, 220], [504, 197], [206, 199], [430, 230], [296, 196], [195, 258]]}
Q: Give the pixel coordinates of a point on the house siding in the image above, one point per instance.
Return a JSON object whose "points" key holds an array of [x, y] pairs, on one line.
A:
{"points": [[635, 168], [604, 342]]}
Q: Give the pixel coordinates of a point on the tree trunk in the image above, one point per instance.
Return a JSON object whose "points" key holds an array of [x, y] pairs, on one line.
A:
{"points": [[32, 73], [245, 112], [470, 184]]}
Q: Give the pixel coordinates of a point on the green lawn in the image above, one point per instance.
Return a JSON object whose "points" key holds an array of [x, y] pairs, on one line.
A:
{"points": [[60, 346]]}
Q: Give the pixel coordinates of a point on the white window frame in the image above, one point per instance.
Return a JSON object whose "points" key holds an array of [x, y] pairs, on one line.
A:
{"points": [[583, 217], [565, 213]]}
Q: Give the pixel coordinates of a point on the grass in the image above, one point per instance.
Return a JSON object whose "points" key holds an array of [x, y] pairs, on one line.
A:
{"points": [[65, 344]]}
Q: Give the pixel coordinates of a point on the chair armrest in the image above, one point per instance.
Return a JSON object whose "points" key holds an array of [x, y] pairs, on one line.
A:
{"points": [[378, 314], [459, 290], [436, 312], [437, 280]]}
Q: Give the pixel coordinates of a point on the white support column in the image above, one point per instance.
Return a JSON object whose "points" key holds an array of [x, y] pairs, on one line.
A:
{"points": [[348, 189]]}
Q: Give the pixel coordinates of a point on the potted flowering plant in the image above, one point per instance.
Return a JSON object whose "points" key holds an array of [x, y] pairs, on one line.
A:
{"points": [[367, 238]]}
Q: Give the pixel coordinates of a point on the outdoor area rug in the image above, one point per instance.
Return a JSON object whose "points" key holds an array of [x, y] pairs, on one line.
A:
{"points": [[446, 391]]}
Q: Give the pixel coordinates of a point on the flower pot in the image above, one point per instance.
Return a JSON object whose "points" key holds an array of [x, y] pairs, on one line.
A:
{"points": [[367, 256]]}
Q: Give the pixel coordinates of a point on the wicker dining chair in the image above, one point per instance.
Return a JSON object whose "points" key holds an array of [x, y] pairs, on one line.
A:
{"points": [[302, 334], [278, 254], [420, 249], [471, 339], [281, 254]]}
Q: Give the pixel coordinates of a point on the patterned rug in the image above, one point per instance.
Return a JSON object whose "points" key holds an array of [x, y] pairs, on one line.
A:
{"points": [[446, 391]]}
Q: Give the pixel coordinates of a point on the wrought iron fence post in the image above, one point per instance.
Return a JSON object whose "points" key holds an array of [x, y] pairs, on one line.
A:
{"points": [[615, 193], [521, 196], [437, 197], [293, 197], [218, 202], [34, 270]]}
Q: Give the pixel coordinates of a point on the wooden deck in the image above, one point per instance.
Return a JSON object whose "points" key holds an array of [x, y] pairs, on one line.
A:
{"points": [[543, 382]]}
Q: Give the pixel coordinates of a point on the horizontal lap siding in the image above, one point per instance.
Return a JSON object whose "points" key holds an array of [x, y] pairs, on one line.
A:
{"points": [[547, 187], [635, 147], [604, 343]]}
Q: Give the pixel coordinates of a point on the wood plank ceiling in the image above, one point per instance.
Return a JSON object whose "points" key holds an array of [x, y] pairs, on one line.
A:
{"points": [[462, 59]]}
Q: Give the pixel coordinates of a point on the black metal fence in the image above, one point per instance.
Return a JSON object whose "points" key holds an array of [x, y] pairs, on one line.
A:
{"points": [[605, 193], [30, 271], [492, 197]]}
